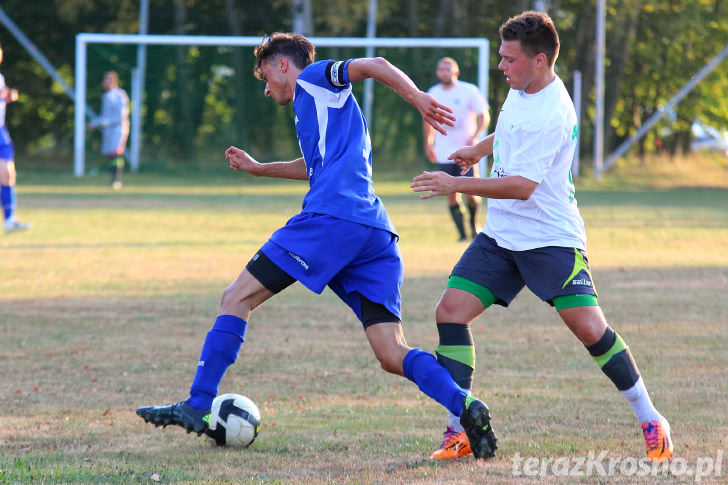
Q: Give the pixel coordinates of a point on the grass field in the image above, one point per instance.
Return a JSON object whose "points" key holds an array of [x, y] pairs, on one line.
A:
{"points": [[105, 303]]}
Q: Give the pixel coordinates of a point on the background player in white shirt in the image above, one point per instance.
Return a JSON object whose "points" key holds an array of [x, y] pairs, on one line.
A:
{"points": [[114, 124], [534, 234], [472, 119]]}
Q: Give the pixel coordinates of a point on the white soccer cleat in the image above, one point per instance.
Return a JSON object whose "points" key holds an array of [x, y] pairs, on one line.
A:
{"points": [[13, 225]]}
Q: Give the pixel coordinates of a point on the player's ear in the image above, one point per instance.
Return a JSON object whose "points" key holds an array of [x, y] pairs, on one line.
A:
{"points": [[283, 63]]}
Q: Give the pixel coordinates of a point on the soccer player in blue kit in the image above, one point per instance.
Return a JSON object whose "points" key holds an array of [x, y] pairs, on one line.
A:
{"points": [[7, 164], [342, 238]]}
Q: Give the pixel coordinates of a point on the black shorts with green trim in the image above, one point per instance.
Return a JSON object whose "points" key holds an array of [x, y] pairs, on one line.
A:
{"points": [[551, 272]]}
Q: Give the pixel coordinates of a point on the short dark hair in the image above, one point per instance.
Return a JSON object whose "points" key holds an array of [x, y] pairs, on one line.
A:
{"points": [[296, 47], [536, 32]]}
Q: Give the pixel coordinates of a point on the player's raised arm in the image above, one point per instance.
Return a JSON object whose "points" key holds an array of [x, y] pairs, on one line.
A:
{"points": [[241, 160], [378, 68]]}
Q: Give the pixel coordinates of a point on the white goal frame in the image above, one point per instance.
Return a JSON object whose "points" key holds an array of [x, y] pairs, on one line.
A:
{"points": [[84, 39]]}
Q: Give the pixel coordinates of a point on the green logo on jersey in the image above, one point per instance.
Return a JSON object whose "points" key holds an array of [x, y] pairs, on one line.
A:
{"points": [[496, 157], [574, 132], [572, 192]]}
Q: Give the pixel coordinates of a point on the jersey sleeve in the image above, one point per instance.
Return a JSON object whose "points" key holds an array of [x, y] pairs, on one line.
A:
{"points": [[477, 102], [330, 74], [540, 142]]}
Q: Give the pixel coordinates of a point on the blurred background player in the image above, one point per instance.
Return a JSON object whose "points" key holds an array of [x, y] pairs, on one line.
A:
{"points": [[114, 124], [534, 235], [343, 237], [472, 119], [7, 165]]}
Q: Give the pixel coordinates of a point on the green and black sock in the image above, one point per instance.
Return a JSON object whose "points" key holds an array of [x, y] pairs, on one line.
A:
{"points": [[456, 352], [614, 358]]}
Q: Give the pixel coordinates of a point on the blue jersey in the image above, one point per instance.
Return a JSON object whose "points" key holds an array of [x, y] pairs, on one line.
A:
{"points": [[335, 144]]}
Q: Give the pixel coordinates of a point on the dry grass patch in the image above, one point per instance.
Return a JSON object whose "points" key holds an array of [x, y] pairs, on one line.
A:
{"points": [[104, 306]]}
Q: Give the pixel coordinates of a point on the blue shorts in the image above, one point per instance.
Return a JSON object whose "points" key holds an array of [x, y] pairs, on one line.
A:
{"points": [[351, 258], [549, 272], [7, 151]]}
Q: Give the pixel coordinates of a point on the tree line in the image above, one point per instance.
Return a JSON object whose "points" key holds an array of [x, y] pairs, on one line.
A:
{"points": [[200, 100]]}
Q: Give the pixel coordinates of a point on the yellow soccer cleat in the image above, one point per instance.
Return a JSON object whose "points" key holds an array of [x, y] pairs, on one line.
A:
{"points": [[657, 440], [454, 446]]}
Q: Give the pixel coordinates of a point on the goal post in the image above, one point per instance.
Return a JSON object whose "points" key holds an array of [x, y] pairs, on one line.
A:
{"points": [[84, 40]]}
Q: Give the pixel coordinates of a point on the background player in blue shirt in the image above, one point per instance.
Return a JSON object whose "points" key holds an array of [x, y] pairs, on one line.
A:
{"points": [[7, 164], [342, 238]]}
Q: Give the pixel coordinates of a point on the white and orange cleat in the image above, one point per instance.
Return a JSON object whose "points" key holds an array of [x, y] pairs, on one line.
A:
{"points": [[657, 439]]}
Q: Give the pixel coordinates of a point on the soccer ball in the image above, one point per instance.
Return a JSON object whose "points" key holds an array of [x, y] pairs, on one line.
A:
{"points": [[234, 421]]}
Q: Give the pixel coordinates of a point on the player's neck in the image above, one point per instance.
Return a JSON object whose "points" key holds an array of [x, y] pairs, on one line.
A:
{"points": [[448, 85], [541, 82]]}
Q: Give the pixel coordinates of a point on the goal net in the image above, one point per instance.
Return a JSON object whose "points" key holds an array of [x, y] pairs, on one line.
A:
{"points": [[197, 95]]}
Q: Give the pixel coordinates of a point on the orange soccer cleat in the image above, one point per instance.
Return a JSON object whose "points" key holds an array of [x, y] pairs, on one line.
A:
{"points": [[454, 446], [657, 439]]}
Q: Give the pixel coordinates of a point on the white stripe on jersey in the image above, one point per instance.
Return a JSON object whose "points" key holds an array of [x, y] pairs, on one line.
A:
{"points": [[324, 99]]}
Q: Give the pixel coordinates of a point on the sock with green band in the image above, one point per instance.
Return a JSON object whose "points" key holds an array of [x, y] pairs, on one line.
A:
{"points": [[456, 353], [615, 360]]}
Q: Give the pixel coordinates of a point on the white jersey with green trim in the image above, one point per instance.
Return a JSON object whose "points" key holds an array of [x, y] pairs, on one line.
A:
{"points": [[535, 137]]}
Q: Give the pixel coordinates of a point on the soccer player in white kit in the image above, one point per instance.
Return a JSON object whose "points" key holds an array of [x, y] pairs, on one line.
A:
{"points": [[534, 235], [472, 119]]}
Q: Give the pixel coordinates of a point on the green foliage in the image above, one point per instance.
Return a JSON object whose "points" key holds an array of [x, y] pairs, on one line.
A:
{"points": [[200, 100]]}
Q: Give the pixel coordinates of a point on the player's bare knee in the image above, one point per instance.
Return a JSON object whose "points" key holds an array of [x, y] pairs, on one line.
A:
{"points": [[234, 301], [447, 311]]}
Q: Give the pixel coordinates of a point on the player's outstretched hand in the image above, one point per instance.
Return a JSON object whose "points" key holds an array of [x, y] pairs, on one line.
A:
{"points": [[240, 160], [434, 113], [466, 157], [433, 183]]}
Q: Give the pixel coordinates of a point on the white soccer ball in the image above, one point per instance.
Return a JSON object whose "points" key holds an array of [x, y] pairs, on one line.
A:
{"points": [[234, 420]]}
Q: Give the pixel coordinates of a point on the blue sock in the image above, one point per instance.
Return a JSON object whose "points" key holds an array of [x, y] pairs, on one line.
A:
{"points": [[7, 197], [218, 353], [423, 369]]}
